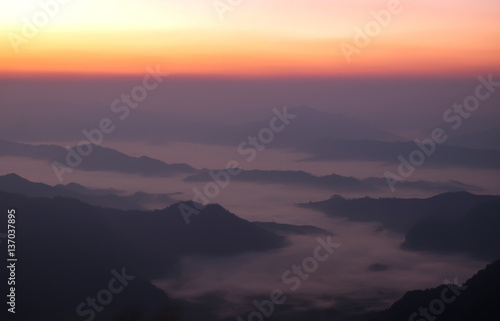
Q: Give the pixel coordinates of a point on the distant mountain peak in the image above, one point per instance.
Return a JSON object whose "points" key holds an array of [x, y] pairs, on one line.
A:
{"points": [[13, 178]]}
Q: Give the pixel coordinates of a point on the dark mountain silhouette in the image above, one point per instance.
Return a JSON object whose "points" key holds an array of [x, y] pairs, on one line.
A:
{"points": [[100, 159], [286, 229], [401, 214], [476, 234], [476, 299], [158, 127], [80, 189], [67, 250], [311, 125], [101, 197], [334, 182], [489, 138], [328, 136], [388, 152], [290, 177]]}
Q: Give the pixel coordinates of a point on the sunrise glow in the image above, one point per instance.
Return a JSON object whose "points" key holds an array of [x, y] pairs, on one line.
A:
{"points": [[251, 38]]}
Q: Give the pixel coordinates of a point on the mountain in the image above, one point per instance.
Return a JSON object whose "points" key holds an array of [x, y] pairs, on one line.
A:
{"points": [[476, 299], [475, 234], [489, 138], [80, 189], [287, 229], [400, 214], [335, 183], [388, 152], [290, 178], [99, 159], [149, 234], [14, 183], [68, 250], [310, 125]]}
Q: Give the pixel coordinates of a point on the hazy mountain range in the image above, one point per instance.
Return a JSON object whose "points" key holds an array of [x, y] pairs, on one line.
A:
{"points": [[389, 152], [400, 214], [100, 159], [447, 223], [332, 182], [475, 299], [322, 135], [70, 242], [475, 233], [108, 159], [102, 197]]}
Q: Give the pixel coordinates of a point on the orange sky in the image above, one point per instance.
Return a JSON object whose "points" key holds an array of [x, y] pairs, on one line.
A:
{"points": [[255, 38]]}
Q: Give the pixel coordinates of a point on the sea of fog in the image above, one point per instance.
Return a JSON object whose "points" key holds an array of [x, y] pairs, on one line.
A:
{"points": [[343, 280]]}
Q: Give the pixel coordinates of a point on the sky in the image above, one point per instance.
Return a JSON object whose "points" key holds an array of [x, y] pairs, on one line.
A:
{"points": [[250, 38], [231, 63]]}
